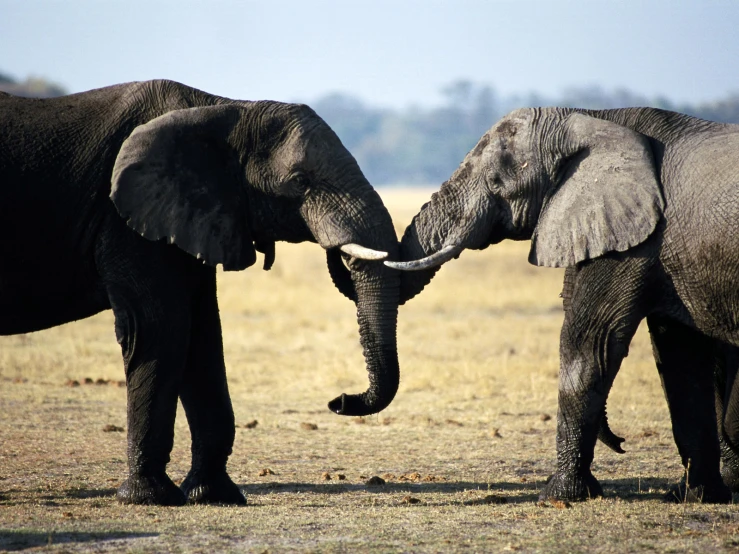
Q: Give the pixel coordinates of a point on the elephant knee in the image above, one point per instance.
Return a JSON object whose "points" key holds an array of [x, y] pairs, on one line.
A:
{"points": [[587, 363], [576, 376]]}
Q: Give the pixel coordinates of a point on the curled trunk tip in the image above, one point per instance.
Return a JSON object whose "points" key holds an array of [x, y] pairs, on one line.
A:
{"points": [[360, 404]]}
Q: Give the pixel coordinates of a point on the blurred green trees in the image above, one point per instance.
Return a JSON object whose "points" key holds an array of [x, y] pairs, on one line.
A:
{"points": [[32, 87], [412, 145], [425, 145]]}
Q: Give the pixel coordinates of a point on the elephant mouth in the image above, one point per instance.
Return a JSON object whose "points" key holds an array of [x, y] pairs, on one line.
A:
{"points": [[493, 239], [339, 266]]}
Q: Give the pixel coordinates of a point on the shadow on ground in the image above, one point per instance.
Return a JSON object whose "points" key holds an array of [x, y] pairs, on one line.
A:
{"points": [[89, 493], [63, 497], [450, 487], [14, 540], [625, 489], [631, 490]]}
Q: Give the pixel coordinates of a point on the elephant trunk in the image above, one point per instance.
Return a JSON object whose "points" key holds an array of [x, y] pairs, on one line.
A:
{"points": [[339, 225], [452, 221], [377, 290]]}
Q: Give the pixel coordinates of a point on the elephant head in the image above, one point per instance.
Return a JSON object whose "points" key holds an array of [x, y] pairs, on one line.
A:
{"points": [[578, 186], [226, 180]]}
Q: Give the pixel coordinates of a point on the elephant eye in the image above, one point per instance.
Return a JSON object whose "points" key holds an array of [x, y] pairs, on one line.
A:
{"points": [[496, 181], [300, 179], [297, 183], [506, 161]]}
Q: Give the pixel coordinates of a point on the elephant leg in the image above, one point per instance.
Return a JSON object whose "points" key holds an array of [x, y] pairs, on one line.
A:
{"points": [[153, 331], [604, 304], [685, 361], [204, 395], [150, 287], [727, 410]]}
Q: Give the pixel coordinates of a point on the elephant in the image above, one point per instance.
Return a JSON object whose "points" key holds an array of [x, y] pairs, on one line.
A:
{"points": [[640, 205], [128, 197]]}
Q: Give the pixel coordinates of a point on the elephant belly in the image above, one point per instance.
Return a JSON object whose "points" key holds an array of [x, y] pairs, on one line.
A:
{"points": [[707, 285], [700, 248], [32, 302]]}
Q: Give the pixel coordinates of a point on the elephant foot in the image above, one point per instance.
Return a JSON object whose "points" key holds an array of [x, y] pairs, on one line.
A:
{"points": [[572, 487], [730, 476], [215, 488], [156, 490], [730, 469], [717, 493]]}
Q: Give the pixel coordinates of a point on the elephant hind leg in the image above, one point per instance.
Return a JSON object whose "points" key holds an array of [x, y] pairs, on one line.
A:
{"points": [[685, 361], [204, 395], [727, 409]]}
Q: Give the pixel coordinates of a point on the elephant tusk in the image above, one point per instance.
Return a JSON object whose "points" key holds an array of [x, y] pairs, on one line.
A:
{"points": [[436, 259], [362, 252]]}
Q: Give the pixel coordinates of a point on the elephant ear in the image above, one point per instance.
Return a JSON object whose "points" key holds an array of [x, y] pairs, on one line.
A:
{"points": [[176, 178], [608, 198]]}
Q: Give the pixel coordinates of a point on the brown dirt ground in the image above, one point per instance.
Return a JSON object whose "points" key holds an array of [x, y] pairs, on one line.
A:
{"points": [[462, 451]]}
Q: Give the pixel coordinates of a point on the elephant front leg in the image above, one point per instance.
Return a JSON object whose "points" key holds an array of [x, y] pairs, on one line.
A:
{"points": [[204, 395], [602, 312], [582, 398], [154, 353]]}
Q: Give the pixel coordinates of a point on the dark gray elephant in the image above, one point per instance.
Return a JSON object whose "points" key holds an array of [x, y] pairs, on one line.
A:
{"points": [[642, 207], [115, 197]]}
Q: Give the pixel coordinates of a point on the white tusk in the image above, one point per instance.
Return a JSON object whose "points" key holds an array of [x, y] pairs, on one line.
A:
{"points": [[438, 258], [362, 252]]}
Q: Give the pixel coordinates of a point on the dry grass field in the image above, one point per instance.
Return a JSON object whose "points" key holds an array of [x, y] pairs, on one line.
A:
{"points": [[463, 449]]}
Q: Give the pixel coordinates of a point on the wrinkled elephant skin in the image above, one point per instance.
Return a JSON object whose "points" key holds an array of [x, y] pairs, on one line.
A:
{"points": [[641, 206], [127, 197]]}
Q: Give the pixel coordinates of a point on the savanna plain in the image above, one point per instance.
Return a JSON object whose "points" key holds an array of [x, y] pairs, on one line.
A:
{"points": [[454, 464]]}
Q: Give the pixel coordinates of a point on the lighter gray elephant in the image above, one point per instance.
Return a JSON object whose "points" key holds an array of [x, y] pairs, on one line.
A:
{"points": [[642, 208]]}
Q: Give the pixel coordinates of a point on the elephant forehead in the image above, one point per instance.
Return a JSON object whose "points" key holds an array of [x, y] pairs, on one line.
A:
{"points": [[513, 123], [482, 144], [291, 153], [482, 154]]}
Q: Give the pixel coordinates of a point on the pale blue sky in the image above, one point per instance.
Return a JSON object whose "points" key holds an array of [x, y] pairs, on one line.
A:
{"points": [[387, 52]]}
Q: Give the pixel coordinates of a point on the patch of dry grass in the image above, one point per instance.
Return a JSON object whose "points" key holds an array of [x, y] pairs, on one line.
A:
{"points": [[471, 427]]}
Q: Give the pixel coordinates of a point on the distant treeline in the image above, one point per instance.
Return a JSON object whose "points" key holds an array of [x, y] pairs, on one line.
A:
{"points": [[424, 145], [32, 87]]}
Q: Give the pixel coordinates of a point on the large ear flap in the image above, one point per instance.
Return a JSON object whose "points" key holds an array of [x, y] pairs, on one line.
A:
{"points": [[608, 198], [176, 178]]}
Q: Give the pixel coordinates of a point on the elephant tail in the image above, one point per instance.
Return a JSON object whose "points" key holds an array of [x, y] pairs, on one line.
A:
{"points": [[608, 437]]}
